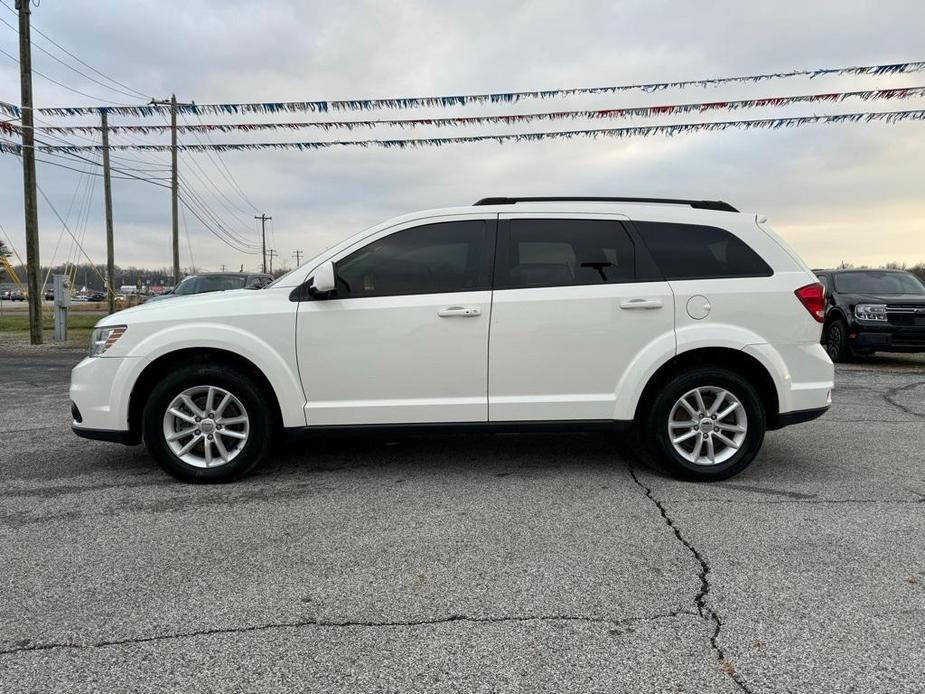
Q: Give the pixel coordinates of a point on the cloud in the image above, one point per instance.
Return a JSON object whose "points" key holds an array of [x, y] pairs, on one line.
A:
{"points": [[849, 192]]}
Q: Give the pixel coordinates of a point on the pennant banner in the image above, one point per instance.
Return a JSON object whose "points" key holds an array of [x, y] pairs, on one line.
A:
{"points": [[606, 114], [148, 110], [10, 109], [618, 133]]}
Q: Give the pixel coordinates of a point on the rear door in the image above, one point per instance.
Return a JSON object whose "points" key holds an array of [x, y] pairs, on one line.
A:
{"points": [[575, 302]]}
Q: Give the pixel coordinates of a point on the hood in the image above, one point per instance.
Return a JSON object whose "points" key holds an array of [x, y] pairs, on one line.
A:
{"points": [[892, 299], [209, 303]]}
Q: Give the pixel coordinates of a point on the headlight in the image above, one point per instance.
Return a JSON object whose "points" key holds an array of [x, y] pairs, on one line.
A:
{"points": [[875, 312], [102, 339]]}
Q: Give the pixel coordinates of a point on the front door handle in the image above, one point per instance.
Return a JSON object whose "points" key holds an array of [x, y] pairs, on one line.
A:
{"points": [[640, 302], [459, 312]]}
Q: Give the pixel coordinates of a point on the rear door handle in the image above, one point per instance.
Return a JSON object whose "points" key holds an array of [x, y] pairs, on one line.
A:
{"points": [[640, 302], [459, 312]]}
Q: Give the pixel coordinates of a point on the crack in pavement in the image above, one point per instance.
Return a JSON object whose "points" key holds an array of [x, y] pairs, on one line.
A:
{"points": [[890, 397], [700, 600], [25, 647]]}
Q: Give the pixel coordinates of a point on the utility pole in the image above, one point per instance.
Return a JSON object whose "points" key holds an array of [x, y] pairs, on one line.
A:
{"points": [[298, 258], [33, 261], [107, 197], [174, 188], [271, 253], [174, 180], [263, 234]]}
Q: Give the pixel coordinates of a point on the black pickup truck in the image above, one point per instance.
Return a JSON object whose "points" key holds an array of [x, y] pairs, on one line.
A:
{"points": [[871, 311]]}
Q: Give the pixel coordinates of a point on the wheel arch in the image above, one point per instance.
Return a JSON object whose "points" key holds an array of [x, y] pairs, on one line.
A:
{"points": [[834, 313], [169, 361], [735, 360]]}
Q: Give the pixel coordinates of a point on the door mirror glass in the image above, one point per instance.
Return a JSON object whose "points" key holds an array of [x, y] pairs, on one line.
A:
{"points": [[324, 278]]}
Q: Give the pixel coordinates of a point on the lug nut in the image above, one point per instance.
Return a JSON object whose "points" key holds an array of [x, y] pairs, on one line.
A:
{"points": [[198, 418], [197, 432], [706, 436], [210, 437], [218, 426]]}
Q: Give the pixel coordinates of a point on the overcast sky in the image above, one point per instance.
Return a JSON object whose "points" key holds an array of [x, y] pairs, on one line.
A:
{"points": [[852, 192]]}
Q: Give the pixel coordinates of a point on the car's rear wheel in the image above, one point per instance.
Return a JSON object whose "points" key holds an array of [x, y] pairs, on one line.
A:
{"points": [[836, 341], [705, 424], [206, 423]]}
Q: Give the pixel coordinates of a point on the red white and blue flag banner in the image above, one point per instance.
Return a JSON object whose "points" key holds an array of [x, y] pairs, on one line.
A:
{"points": [[148, 110], [670, 130], [599, 114]]}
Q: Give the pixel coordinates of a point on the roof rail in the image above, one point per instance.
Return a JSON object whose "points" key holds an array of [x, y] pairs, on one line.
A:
{"points": [[698, 204]]}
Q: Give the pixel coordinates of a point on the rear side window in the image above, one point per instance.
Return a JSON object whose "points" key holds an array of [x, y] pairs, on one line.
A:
{"points": [[563, 252], [428, 259], [694, 251]]}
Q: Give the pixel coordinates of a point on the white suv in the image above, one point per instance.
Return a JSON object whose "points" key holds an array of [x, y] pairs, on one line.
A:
{"points": [[686, 318]]}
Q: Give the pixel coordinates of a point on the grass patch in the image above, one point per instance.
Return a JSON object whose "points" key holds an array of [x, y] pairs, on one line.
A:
{"points": [[79, 326]]}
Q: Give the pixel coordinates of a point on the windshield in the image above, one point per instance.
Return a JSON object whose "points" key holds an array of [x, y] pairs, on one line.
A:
{"points": [[878, 282], [199, 284]]}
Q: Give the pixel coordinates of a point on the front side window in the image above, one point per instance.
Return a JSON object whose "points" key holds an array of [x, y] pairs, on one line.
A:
{"points": [[563, 252], [428, 259], [696, 251]]}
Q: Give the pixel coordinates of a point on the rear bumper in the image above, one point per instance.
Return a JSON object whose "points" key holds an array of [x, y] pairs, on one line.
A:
{"points": [[803, 375], [785, 419]]}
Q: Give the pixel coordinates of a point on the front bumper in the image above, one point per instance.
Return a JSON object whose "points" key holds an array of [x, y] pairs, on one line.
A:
{"points": [[127, 438], [887, 338], [100, 391]]}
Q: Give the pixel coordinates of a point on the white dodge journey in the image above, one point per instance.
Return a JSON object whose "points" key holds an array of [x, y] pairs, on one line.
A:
{"points": [[691, 322]]}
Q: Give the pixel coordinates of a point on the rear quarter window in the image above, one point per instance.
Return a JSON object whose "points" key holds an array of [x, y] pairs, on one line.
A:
{"points": [[696, 251]]}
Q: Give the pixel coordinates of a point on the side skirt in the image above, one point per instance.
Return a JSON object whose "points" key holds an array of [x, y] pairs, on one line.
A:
{"points": [[613, 426]]}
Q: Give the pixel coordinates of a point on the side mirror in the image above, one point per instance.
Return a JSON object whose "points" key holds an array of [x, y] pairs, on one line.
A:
{"points": [[324, 278]]}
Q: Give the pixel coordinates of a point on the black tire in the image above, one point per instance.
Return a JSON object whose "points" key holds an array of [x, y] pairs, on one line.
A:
{"points": [[261, 422], [655, 429], [835, 340]]}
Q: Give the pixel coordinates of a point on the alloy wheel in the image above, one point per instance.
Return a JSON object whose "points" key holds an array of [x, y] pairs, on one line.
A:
{"points": [[707, 425], [206, 426]]}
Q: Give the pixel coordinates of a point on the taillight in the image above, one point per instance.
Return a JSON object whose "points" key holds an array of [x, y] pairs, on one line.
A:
{"points": [[812, 296]]}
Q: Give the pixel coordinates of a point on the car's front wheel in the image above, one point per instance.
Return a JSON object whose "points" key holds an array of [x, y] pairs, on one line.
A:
{"points": [[705, 424], [207, 423], [835, 340]]}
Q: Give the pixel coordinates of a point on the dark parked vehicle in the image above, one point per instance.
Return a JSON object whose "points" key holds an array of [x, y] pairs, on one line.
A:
{"points": [[871, 311], [215, 282]]}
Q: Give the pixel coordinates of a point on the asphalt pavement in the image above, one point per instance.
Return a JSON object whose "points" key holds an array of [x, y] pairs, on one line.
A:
{"points": [[466, 563]]}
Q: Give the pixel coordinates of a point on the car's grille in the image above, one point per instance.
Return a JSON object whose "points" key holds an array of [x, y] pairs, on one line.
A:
{"points": [[913, 315]]}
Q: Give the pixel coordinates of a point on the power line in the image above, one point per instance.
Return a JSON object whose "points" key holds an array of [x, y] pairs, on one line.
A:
{"points": [[79, 245], [85, 64], [132, 94], [230, 177], [218, 221], [211, 229], [60, 84]]}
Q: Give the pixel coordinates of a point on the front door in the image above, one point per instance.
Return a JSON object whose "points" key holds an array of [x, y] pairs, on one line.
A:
{"points": [[404, 338], [574, 306]]}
